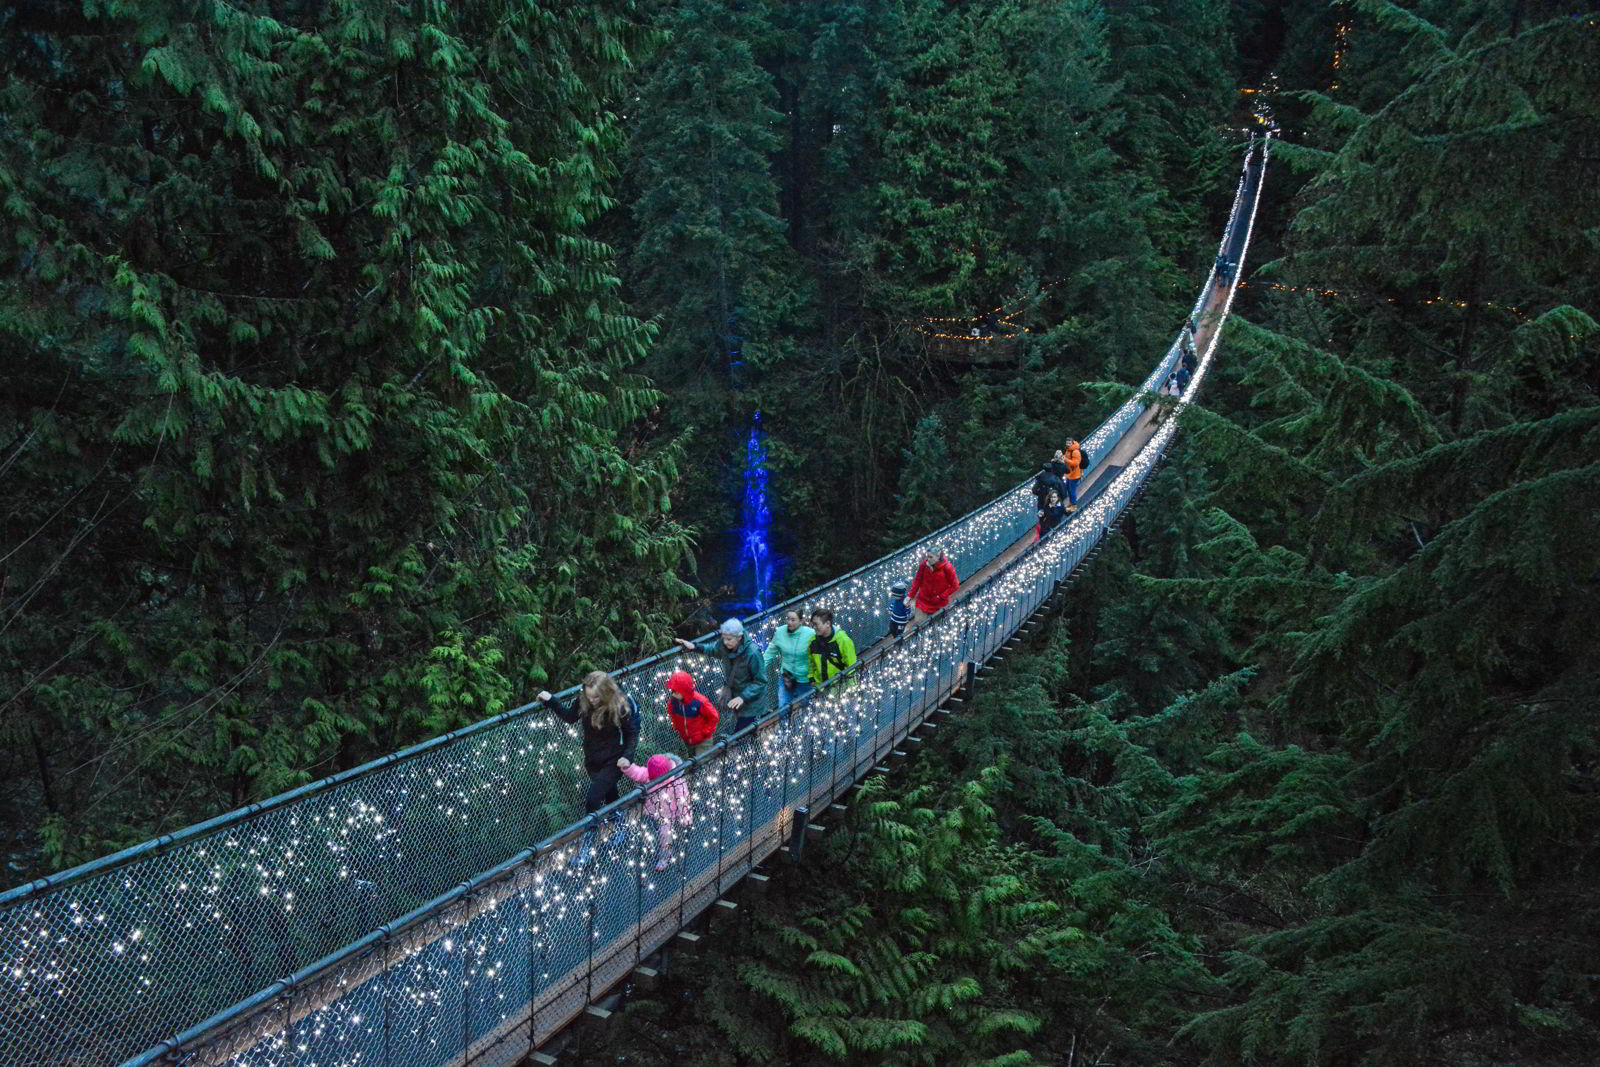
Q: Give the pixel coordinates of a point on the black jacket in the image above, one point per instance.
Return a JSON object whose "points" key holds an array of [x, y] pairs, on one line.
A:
{"points": [[1048, 479], [1050, 518], [602, 747]]}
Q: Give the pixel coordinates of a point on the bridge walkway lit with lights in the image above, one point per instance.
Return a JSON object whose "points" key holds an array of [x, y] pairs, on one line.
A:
{"points": [[398, 915]]}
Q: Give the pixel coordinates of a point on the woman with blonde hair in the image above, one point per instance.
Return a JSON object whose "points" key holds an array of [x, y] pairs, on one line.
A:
{"points": [[610, 721]]}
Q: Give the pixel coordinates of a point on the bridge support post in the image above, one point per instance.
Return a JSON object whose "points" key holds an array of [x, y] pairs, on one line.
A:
{"points": [[797, 834], [969, 685]]}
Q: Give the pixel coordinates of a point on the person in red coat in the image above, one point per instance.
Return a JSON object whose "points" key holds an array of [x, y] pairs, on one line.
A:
{"points": [[934, 585], [693, 716]]}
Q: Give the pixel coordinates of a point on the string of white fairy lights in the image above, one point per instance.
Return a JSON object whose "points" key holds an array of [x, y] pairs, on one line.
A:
{"points": [[138, 944], [556, 910], [548, 906]]}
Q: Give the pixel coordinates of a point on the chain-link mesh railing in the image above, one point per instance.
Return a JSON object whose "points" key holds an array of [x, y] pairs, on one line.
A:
{"points": [[108, 959]]}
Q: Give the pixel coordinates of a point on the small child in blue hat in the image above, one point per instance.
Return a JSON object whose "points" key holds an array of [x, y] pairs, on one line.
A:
{"points": [[899, 610]]}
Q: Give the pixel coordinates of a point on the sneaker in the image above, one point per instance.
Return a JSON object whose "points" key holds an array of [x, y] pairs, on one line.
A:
{"points": [[663, 861]]}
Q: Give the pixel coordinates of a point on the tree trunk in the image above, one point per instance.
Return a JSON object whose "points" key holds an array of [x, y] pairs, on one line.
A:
{"points": [[46, 783], [1469, 334]]}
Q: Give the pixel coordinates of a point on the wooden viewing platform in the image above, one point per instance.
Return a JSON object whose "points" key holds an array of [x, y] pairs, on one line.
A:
{"points": [[998, 346]]}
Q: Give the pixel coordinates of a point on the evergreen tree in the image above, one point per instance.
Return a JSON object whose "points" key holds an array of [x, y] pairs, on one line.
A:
{"points": [[710, 254], [1081, 213], [1176, 91], [926, 501], [1485, 313], [319, 404], [1416, 776], [938, 244]]}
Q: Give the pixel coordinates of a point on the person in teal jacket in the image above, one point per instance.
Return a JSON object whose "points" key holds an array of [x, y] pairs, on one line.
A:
{"points": [[790, 648], [832, 650], [744, 676]]}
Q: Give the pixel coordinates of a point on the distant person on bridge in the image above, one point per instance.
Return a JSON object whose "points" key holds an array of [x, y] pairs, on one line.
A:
{"points": [[832, 650], [1050, 479], [691, 714], [1077, 462], [790, 648], [610, 721], [1050, 515], [744, 677], [936, 582], [899, 609], [665, 802], [1168, 388]]}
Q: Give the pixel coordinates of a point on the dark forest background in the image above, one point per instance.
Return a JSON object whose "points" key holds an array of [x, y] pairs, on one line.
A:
{"points": [[370, 366]]}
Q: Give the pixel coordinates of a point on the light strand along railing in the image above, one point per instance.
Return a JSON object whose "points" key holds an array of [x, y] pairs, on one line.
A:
{"points": [[102, 961], [495, 967]]}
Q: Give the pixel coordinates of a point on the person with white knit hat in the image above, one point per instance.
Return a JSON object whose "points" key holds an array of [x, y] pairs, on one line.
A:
{"points": [[744, 674]]}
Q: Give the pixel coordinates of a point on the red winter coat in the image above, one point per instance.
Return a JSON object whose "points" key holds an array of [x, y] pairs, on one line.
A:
{"points": [[933, 586], [694, 718]]}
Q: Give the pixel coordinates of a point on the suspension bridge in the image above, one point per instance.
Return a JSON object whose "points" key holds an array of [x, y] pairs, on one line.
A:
{"points": [[397, 914]]}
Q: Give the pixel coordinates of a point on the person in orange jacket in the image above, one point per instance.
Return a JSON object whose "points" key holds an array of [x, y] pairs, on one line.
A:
{"points": [[693, 716], [1077, 462], [934, 585]]}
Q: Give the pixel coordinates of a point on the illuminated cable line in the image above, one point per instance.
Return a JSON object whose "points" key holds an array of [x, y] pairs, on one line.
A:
{"points": [[108, 958]]}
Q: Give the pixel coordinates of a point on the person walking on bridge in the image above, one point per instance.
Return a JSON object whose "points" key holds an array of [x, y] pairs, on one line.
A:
{"points": [[1050, 515], [936, 582], [832, 650], [789, 648], [1077, 462], [744, 676], [1050, 479], [610, 720], [899, 610], [691, 714]]}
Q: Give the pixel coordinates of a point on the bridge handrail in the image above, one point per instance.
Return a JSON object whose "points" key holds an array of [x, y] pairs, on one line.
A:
{"points": [[1013, 506], [222, 1037]]}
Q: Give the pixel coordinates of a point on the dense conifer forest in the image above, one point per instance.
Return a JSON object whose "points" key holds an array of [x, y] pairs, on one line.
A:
{"points": [[371, 366]]}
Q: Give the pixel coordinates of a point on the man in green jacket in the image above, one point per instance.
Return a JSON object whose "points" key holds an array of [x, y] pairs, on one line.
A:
{"points": [[791, 649], [744, 676], [832, 651]]}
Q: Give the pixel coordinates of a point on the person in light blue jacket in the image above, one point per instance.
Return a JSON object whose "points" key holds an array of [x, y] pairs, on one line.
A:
{"points": [[790, 648]]}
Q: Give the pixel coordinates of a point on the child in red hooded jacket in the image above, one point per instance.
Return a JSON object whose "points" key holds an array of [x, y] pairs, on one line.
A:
{"points": [[693, 716]]}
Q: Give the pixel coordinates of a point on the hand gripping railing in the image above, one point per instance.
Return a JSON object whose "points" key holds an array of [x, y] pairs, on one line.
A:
{"points": [[101, 961]]}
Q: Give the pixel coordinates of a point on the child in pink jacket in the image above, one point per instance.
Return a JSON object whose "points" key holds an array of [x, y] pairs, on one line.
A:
{"points": [[665, 802]]}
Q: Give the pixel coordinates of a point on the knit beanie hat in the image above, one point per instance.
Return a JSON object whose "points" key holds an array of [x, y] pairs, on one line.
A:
{"points": [[732, 626], [899, 588], [681, 683], [658, 765]]}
